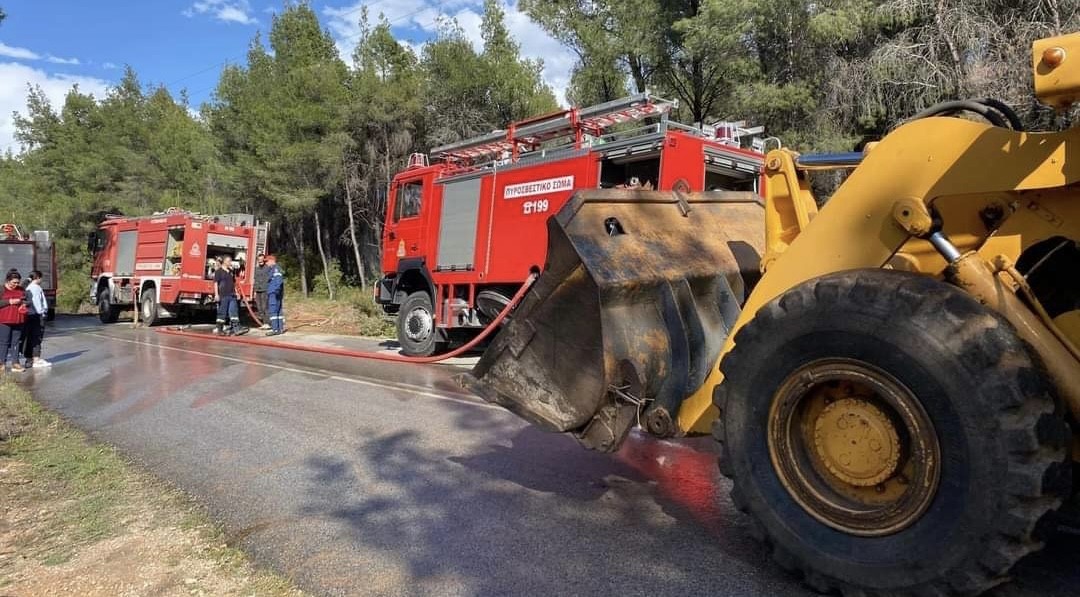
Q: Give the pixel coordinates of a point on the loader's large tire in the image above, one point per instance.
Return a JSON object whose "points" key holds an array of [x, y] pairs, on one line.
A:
{"points": [[895, 356]]}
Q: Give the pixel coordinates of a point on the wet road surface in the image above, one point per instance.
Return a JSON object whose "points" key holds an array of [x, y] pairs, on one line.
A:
{"points": [[360, 477]]}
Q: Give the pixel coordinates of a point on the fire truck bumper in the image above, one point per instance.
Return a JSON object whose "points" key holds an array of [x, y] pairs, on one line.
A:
{"points": [[630, 314]]}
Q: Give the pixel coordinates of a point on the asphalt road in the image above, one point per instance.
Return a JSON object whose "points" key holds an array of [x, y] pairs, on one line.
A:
{"points": [[358, 477]]}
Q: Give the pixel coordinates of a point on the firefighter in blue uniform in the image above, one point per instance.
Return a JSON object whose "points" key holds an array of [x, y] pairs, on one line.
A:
{"points": [[275, 293], [225, 294]]}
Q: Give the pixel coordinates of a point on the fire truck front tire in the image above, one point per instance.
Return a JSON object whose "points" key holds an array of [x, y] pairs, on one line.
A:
{"points": [[107, 311], [416, 330], [148, 309]]}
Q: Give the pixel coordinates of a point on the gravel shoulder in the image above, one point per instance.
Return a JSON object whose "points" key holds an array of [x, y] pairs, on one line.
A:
{"points": [[79, 519]]}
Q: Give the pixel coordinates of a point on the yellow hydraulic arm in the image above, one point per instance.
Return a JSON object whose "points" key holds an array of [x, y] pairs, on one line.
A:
{"points": [[933, 163]]}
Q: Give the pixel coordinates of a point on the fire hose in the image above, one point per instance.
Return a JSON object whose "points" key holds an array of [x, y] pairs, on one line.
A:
{"points": [[484, 333], [247, 304]]}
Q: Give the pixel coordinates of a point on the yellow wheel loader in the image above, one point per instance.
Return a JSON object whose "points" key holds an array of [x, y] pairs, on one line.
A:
{"points": [[892, 379]]}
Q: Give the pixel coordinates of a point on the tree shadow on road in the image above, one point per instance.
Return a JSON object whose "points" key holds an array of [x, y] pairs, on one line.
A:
{"points": [[527, 512], [537, 514]]}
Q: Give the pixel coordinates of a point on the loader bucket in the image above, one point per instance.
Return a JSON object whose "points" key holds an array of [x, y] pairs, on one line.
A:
{"points": [[637, 296]]}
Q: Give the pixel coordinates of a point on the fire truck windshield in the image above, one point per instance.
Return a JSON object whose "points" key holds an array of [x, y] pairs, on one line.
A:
{"points": [[408, 200], [95, 242]]}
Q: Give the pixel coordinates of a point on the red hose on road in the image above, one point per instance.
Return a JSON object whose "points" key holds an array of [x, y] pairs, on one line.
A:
{"points": [[376, 356]]}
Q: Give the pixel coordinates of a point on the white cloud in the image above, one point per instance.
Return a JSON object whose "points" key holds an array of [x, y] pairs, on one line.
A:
{"points": [[227, 11], [110, 66], [537, 44], [57, 60], [19, 53], [27, 54], [344, 21], [14, 80], [424, 15]]}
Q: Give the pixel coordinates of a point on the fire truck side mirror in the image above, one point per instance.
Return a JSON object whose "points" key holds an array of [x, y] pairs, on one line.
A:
{"points": [[91, 242]]}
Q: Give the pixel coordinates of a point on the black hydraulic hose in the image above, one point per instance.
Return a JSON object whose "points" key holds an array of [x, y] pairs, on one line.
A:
{"points": [[951, 107], [1005, 110]]}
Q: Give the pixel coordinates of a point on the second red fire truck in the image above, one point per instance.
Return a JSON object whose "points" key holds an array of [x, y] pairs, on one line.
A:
{"points": [[29, 252], [462, 234], [164, 262]]}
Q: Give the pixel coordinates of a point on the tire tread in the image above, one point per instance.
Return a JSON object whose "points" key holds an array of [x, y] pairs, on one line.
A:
{"points": [[1032, 436]]}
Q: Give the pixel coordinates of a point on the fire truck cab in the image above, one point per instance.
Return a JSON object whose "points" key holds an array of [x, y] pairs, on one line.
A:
{"points": [[166, 261], [464, 233], [29, 252]]}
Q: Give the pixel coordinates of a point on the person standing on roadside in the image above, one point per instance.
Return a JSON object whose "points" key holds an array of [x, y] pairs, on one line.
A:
{"points": [[225, 295], [34, 326], [262, 280], [275, 294], [12, 314]]}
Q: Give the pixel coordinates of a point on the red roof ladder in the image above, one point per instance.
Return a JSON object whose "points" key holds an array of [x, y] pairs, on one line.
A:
{"points": [[526, 135]]}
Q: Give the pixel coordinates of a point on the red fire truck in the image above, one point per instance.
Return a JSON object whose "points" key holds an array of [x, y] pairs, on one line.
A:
{"points": [[165, 261], [464, 232], [28, 252]]}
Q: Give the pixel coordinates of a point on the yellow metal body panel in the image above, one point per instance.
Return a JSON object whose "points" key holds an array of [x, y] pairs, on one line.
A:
{"points": [[789, 207], [1057, 70], [957, 166]]}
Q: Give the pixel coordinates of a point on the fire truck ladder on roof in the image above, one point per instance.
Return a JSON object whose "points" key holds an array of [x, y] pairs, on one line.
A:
{"points": [[577, 122]]}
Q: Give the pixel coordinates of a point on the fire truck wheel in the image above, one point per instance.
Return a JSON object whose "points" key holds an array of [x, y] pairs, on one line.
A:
{"points": [[416, 326], [490, 303], [107, 312], [148, 309]]}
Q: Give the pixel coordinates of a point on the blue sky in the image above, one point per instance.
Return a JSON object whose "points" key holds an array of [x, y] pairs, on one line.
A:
{"points": [[183, 43]]}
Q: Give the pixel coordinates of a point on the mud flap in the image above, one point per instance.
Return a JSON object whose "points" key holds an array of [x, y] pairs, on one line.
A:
{"points": [[637, 296]]}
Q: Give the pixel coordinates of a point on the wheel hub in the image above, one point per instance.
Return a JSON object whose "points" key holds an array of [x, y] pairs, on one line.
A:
{"points": [[418, 325], [856, 442], [853, 447]]}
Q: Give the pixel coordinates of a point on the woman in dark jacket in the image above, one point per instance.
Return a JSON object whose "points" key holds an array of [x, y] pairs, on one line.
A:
{"points": [[12, 314]]}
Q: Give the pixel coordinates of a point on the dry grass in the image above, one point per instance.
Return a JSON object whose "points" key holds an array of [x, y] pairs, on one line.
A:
{"points": [[77, 519], [350, 313]]}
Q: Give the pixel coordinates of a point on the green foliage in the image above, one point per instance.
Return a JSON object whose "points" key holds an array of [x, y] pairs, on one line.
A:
{"points": [[370, 319], [514, 87], [293, 132], [319, 288]]}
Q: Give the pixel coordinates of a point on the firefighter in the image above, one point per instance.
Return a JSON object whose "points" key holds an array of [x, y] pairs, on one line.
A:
{"points": [[262, 279], [275, 294], [225, 294]]}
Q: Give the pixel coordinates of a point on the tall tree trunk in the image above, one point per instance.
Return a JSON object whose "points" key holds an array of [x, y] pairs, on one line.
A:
{"points": [[954, 51], [298, 241], [1055, 15], [386, 157], [361, 271], [637, 72], [322, 255]]}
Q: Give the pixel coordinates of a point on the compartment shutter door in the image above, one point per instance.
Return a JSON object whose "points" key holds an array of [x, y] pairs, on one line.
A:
{"points": [[457, 226], [18, 256], [125, 254]]}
